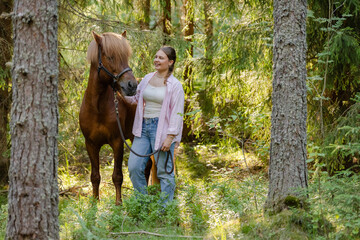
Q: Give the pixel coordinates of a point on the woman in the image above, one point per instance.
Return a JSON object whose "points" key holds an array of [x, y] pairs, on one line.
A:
{"points": [[158, 122]]}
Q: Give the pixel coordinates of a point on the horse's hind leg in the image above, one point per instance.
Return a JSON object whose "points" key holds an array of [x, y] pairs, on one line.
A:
{"points": [[117, 176], [93, 151], [148, 171]]}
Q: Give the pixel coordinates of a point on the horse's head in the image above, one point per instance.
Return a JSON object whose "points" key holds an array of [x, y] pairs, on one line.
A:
{"points": [[111, 53]]}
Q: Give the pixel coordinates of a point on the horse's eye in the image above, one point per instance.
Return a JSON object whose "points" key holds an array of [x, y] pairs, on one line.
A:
{"points": [[110, 58]]}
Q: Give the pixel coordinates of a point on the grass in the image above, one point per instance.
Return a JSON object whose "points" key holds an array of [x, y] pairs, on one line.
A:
{"points": [[216, 198], [207, 200]]}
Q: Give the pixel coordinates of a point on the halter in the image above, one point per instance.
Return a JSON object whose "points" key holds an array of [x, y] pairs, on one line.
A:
{"points": [[114, 77]]}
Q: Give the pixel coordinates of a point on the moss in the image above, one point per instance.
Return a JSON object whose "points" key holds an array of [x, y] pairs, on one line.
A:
{"points": [[292, 202], [289, 202]]}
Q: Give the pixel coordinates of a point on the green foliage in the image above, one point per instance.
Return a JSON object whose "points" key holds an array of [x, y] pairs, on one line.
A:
{"points": [[148, 209], [220, 205], [4, 74], [242, 126], [198, 216], [332, 212], [345, 194], [344, 50], [235, 81], [232, 95], [71, 143], [215, 197], [3, 220], [284, 225], [342, 144], [334, 205], [199, 210], [208, 205], [333, 60]]}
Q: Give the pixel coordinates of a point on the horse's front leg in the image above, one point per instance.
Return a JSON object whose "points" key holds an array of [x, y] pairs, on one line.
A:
{"points": [[117, 177], [93, 151]]}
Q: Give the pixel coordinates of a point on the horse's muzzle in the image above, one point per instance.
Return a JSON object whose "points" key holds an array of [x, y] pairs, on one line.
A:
{"points": [[129, 88]]}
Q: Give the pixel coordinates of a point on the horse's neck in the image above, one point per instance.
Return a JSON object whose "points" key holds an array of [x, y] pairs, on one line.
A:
{"points": [[96, 93]]}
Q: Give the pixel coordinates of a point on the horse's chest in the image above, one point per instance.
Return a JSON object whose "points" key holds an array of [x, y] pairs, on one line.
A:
{"points": [[106, 128], [101, 130]]}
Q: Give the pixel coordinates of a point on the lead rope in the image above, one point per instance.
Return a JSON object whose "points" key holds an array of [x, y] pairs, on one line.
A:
{"points": [[127, 145]]}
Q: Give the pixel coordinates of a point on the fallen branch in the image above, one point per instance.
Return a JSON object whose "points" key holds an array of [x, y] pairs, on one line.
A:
{"points": [[155, 234]]}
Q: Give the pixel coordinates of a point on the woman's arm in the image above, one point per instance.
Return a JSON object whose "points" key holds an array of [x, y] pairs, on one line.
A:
{"points": [[132, 99], [177, 111], [167, 143], [176, 117]]}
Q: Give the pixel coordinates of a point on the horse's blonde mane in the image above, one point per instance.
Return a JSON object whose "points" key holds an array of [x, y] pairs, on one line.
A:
{"points": [[114, 45]]}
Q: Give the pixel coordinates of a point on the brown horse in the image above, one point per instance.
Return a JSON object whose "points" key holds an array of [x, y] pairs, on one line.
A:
{"points": [[108, 55]]}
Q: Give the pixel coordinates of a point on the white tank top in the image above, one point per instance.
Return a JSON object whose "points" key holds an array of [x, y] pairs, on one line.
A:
{"points": [[153, 97]]}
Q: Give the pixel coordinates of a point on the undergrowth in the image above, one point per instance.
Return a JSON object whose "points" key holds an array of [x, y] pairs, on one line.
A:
{"points": [[223, 201]]}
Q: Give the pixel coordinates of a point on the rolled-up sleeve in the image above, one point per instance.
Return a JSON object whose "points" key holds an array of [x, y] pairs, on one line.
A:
{"points": [[133, 99], [177, 111]]}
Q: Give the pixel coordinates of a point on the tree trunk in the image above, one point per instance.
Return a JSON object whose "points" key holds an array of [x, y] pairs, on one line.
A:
{"points": [[208, 31], [166, 4], [33, 193], [142, 11], [206, 95], [288, 171], [187, 74], [5, 100], [188, 35]]}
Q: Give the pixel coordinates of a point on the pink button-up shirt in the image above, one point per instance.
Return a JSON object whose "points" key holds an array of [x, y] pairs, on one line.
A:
{"points": [[171, 113]]}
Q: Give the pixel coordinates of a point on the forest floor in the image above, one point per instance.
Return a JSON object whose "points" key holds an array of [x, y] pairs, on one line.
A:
{"points": [[217, 197], [214, 191]]}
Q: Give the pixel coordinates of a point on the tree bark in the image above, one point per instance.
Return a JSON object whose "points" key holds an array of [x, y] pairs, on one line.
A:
{"points": [[208, 31], [187, 74], [33, 192], [188, 35], [142, 11], [166, 19], [5, 100], [288, 170]]}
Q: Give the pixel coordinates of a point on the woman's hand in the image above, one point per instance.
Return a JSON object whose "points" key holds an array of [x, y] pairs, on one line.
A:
{"points": [[167, 143]]}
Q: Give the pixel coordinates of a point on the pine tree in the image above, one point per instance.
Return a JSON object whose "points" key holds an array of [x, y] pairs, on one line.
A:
{"points": [[288, 154], [33, 192]]}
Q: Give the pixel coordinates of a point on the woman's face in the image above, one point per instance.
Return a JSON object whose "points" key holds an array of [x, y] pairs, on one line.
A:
{"points": [[162, 62]]}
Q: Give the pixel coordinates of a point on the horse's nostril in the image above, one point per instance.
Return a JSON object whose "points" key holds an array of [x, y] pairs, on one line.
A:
{"points": [[131, 85]]}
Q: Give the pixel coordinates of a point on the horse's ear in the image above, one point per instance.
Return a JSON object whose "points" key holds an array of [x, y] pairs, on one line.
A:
{"points": [[97, 37], [124, 34]]}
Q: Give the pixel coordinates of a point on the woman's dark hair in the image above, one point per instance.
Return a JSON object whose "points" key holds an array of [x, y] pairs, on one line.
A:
{"points": [[171, 54]]}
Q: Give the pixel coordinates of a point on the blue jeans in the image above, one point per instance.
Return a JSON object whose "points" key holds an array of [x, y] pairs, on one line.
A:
{"points": [[144, 145]]}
